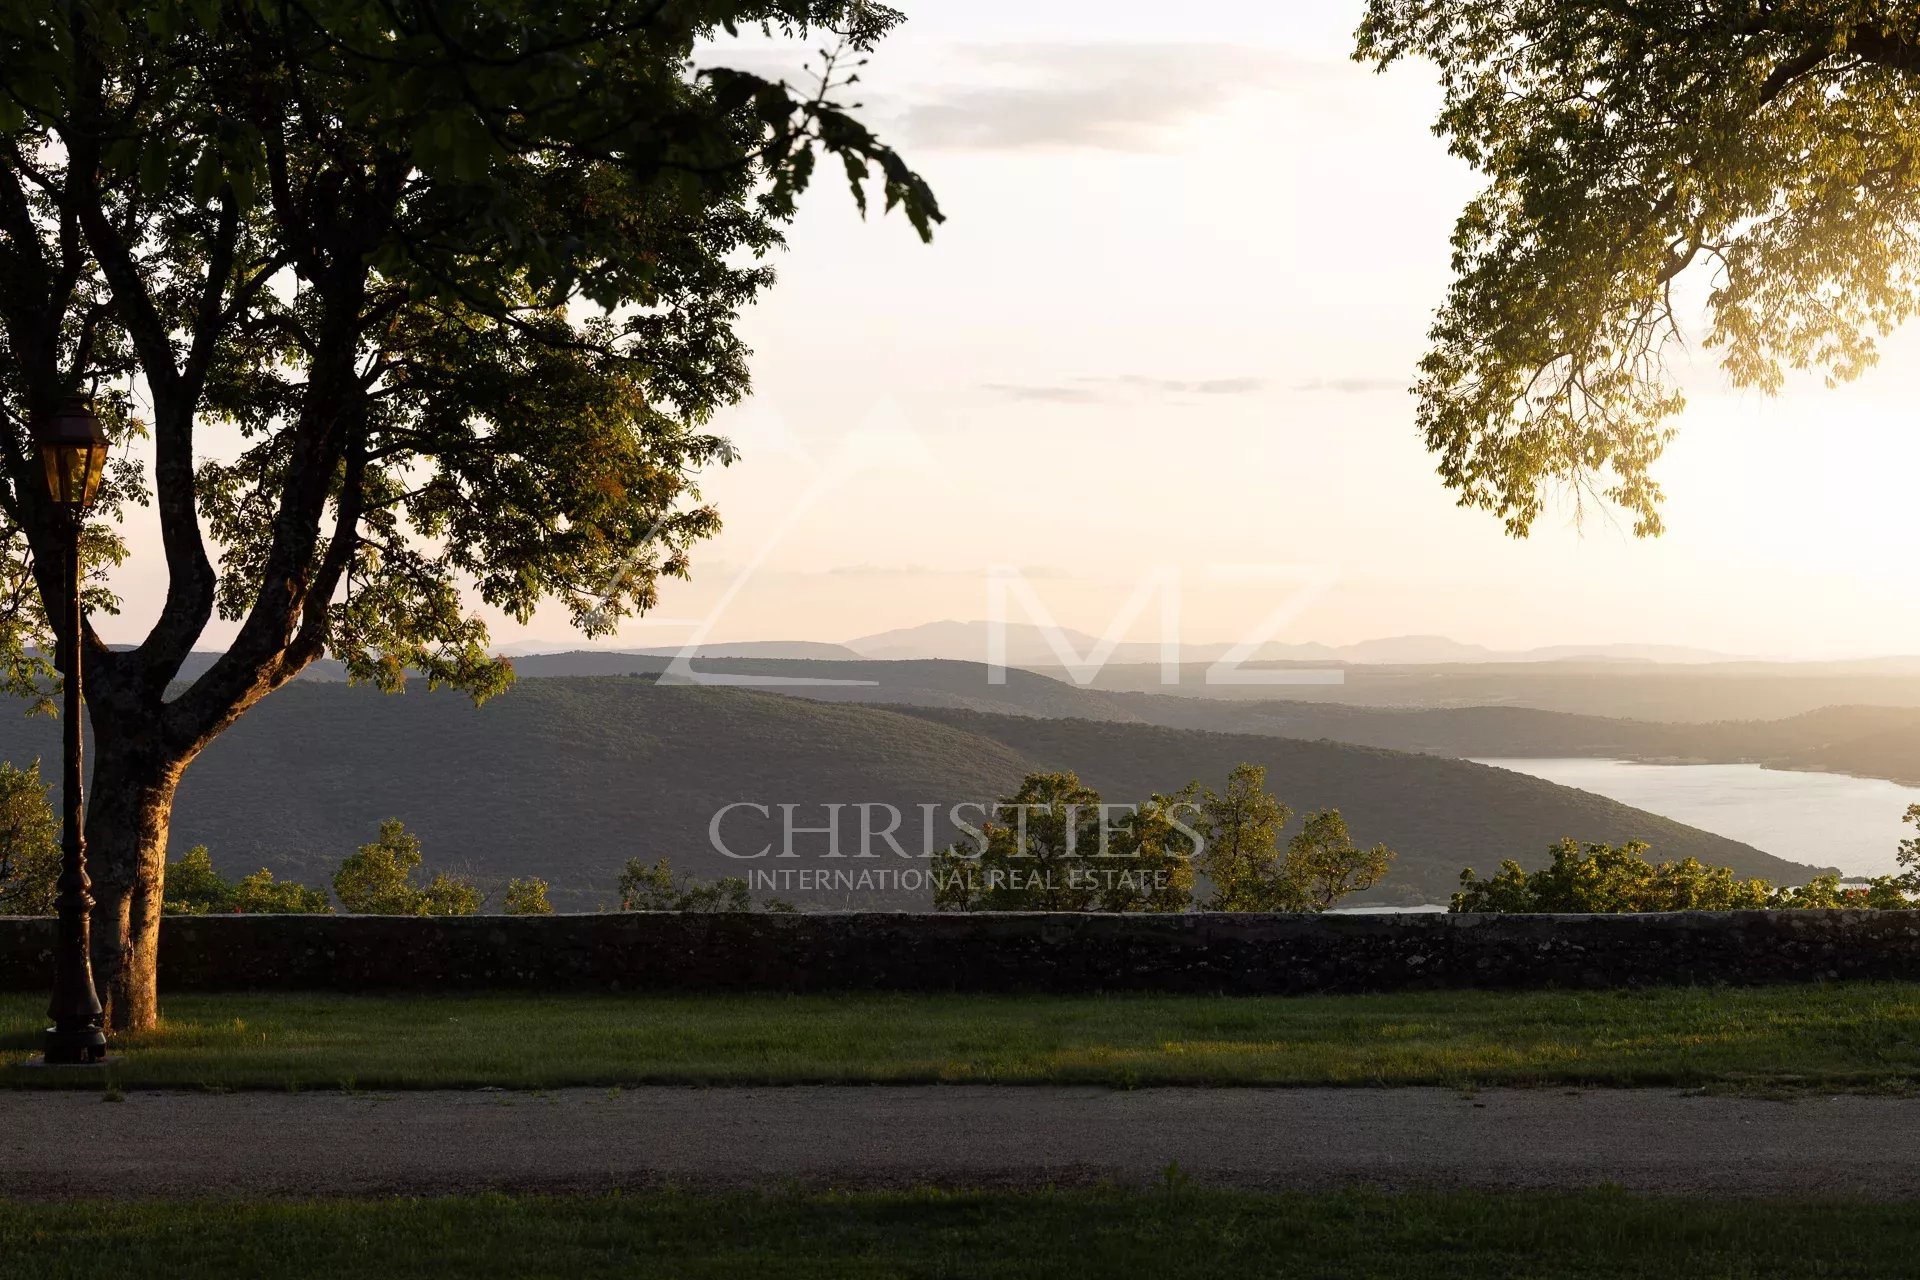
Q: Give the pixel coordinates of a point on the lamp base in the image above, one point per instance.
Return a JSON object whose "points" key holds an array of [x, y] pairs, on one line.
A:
{"points": [[75, 1046]]}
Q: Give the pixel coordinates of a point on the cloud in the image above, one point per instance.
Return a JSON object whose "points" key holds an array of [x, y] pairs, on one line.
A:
{"points": [[1109, 390], [1174, 386], [1055, 395], [929, 571], [1110, 97], [1353, 386]]}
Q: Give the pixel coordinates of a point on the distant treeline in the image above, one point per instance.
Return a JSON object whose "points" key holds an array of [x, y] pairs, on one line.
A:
{"points": [[1604, 879], [1063, 849]]}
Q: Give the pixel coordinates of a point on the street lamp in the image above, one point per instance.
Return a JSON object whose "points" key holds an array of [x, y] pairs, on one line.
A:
{"points": [[73, 450]]}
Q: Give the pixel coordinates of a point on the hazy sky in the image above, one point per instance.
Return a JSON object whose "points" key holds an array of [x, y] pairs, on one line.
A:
{"points": [[1187, 271]]}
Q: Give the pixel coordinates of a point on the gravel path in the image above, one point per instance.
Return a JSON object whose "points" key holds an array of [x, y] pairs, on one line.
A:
{"points": [[185, 1144]]}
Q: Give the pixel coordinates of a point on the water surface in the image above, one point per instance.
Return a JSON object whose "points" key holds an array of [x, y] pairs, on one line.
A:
{"points": [[1827, 819]]}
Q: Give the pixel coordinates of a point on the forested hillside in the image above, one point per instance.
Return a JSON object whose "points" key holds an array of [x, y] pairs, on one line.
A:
{"points": [[568, 778]]}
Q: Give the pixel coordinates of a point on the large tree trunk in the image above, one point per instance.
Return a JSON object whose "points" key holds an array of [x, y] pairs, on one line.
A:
{"points": [[129, 807]]}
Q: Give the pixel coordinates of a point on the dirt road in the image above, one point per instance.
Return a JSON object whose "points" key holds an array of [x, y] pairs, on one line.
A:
{"points": [[187, 1144]]}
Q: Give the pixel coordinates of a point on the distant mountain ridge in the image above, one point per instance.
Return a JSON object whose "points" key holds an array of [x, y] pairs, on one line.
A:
{"points": [[1027, 646], [1853, 718]]}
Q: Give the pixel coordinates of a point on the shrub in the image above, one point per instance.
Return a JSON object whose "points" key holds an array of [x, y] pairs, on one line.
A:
{"points": [[1241, 827], [261, 895], [1067, 851], [1604, 879], [193, 887], [376, 880], [527, 897], [1242, 860], [654, 887], [1323, 865], [29, 844]]}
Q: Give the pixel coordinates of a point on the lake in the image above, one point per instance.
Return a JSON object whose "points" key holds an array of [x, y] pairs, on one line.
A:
{"points": [[1827, 819]]}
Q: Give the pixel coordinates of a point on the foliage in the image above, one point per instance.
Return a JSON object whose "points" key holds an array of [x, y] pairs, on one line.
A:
{"points": [[526, 896], [29, 843], [1152, 863], [1242, 826], [654, 887], [195, 888], [368, 239], [377, 880], [430, 300], [1629, 148], [1602, 878], [583, 744], [1241, 858], [1323, 864], [1065, 850], [260, 894]]}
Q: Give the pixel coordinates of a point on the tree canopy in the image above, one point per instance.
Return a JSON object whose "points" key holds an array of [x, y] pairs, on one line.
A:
{"points": [[1055, 846], [29, 843], [419, 302], [457, 282], [377, 880], [1608, 879], [1766, 148]]}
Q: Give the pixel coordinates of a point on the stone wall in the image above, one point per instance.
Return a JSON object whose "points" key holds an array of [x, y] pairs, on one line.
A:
{"points": [[1244, 954]]}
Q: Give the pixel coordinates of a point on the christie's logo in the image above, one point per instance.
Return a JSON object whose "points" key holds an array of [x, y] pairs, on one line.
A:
{"points": [[750, 831]]}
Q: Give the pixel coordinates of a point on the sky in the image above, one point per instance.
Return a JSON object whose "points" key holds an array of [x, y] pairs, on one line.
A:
{"points": [[1165, 337]]}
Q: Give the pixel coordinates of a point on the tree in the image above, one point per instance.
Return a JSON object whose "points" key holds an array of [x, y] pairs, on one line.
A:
{"points": [[1909, 853], [259, 894], [1602, 878], [1630, 146], [1241, 827], [1152, 864], [1242, 859], [377, 880], [527, 897], [194, 888], [29, 844], [1324, 865], [1054, 846], [427, 297], [654, 887], [1585, 878]]}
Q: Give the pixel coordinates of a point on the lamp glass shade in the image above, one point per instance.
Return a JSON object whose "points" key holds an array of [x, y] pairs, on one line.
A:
{"points": [[73, 450]]}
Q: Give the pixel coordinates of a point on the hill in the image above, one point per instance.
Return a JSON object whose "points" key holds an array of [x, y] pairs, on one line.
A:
{"points": [[1695, 693], [1615, 711], [1440, 814], [928, 682], [1874, 741], [1030, 645], [567, 778]]}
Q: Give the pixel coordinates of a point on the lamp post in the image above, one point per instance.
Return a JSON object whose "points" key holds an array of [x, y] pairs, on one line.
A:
{"points": [[73, 450]]}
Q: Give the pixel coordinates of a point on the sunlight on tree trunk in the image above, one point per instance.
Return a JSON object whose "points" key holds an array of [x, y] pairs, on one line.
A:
{"points": [[130, 808]]}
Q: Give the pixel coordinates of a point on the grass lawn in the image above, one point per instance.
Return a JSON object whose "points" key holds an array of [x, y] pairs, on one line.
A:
{"points": [[1838, 1037], [1173, 1233]]}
